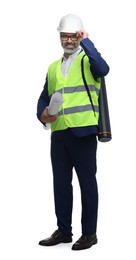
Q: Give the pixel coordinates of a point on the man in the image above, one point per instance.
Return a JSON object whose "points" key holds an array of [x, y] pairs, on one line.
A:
{"points": [[74, 130]]}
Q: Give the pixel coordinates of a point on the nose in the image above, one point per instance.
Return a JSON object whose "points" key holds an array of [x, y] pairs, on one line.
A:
{"points": [[69, 39]]}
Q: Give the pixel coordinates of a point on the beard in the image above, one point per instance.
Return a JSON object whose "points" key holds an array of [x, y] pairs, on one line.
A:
{"points": [[70, 50]]}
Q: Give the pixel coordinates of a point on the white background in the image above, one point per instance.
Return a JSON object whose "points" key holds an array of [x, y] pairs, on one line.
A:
{"points": [[29, 42]]}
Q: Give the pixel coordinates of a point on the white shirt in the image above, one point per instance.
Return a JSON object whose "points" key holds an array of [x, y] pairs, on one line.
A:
{"points": [[66, 63]]}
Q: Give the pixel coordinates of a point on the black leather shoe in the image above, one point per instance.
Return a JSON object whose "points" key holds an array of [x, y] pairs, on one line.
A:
{"points": [[56, 238], [85, 242]]}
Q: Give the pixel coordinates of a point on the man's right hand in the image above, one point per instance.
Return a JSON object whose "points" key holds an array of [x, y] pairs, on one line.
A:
{"points": [[46, 118]]}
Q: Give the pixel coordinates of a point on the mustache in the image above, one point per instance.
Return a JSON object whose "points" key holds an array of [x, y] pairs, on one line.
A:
{"points": [[67, 44]]}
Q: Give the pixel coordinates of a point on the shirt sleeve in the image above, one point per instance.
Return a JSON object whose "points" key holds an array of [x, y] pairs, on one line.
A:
{"points": [[99, 67]]}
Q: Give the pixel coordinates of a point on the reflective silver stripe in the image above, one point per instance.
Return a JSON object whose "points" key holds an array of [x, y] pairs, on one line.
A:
{"points": [[68, 90], [78, 109]]}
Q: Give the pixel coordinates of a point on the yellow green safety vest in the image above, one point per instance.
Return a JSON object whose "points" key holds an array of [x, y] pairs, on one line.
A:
{"points": [[76, 110]]}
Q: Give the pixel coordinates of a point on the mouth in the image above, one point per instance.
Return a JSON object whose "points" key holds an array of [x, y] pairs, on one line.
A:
{"points": [[69, 46]]}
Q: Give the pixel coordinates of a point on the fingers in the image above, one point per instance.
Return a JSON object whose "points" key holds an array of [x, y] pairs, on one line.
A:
{"points": [[51, 119], [82, 34], [46, 118]]}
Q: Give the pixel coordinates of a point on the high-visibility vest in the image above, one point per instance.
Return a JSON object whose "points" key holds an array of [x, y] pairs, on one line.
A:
{"points": [[76, 110]]}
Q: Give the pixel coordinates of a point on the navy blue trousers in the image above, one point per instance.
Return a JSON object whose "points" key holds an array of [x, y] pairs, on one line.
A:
{"points": [[67, 152]]}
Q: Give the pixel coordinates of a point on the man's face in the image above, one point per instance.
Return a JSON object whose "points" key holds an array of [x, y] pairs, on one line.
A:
{"points": [[69, 41]]}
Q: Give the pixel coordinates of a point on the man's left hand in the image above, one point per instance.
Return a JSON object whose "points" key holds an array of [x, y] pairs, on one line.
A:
{"points": [[82, 34]]}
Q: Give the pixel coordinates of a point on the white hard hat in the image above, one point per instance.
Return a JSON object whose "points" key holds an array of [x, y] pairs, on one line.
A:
{"points": [[70, 23]]}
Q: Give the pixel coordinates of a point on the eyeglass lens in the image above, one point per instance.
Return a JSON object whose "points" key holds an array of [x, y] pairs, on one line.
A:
{"points": [[66, 37]]}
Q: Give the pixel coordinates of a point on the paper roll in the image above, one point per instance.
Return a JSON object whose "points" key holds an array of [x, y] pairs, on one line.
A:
{"points": [[104, 117], [55, 103]]}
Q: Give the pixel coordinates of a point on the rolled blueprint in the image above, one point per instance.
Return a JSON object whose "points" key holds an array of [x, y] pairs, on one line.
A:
{"points": [[104, 118], [55, 103], [54, 106]]}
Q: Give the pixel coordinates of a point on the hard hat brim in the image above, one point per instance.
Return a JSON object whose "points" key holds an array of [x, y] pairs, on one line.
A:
{"points": [[68, 30]]}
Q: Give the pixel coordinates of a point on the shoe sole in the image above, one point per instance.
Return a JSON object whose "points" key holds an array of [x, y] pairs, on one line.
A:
{"points": [[54, 244]]}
